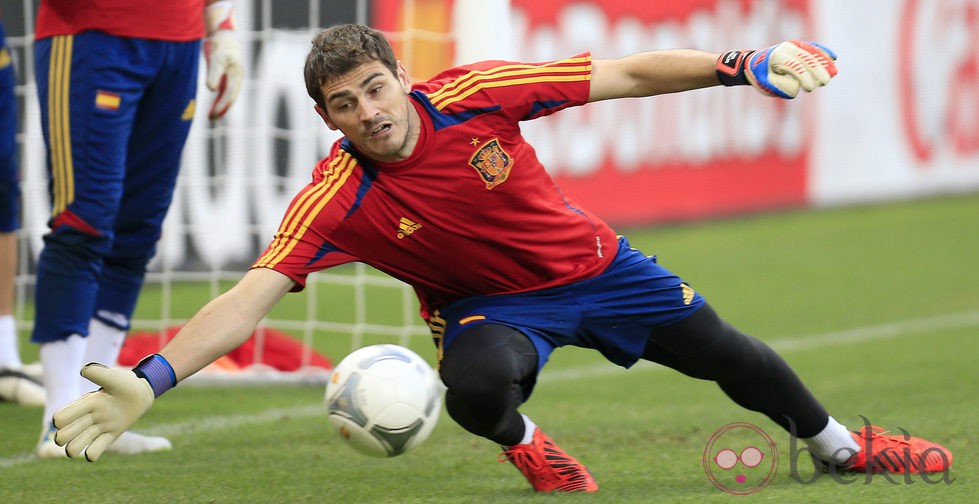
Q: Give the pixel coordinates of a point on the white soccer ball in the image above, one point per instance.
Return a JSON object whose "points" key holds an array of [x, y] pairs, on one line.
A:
{"points": [[383, 400]]}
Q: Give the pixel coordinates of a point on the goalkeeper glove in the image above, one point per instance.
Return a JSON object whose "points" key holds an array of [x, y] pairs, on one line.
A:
{"points": [[91, 423], [779, 70], [224, 73]]}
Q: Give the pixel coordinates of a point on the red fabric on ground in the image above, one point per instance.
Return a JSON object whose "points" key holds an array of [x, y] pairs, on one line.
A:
{"points": [[280, 350]]}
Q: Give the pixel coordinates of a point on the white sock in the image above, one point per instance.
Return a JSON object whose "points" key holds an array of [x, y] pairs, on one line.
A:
{"points": [[833, 443], [9, 354], [61, 360], [104, 345], [528, 433]]}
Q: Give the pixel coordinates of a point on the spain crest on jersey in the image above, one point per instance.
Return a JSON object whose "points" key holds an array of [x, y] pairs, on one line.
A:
{"points": [[492, 163]]}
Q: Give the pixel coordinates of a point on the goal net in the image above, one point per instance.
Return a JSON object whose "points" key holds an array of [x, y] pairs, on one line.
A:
{"points": [[238, 176]]}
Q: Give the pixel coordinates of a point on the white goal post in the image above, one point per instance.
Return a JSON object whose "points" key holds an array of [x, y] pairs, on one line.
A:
{"points": [[237, 176]]}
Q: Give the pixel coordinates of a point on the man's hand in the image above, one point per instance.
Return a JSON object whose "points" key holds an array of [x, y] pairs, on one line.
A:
{"points": [[93, 421], [779, 70], [223, 55]]}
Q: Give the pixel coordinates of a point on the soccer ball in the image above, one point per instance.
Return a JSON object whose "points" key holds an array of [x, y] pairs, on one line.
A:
{"points": [[383, 400]]}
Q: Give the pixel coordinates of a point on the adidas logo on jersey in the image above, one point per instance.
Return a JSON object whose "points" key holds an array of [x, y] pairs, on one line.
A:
{"points": [[406, 227]]}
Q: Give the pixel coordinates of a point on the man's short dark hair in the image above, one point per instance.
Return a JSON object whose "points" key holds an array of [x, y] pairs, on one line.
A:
{"points": [[338, 50]]}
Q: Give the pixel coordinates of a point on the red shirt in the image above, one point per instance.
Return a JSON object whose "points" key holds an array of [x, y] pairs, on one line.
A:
{"points": [[471, 211], [174, 20]]}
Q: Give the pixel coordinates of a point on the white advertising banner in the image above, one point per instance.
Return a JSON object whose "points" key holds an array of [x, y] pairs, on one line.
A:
{"points": [[902, 117]]}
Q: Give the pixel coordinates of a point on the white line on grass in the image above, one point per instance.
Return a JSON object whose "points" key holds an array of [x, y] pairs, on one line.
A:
{"points": [[844, 337], [835, 338], [236, 420]]}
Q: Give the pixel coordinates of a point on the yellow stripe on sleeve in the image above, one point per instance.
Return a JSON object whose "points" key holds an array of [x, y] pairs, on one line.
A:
{"points": [[578, 70], [512, 82], [306, 209]]}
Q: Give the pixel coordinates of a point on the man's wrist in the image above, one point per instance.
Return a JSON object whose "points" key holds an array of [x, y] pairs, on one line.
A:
{"points": [[731, 68], [157, 372], [219, 16]]}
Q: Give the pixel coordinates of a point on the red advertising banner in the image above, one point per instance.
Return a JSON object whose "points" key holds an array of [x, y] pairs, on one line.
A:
{"points": [[690, 155]]}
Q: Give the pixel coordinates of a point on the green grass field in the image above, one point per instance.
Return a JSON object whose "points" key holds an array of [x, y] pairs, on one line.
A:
{"points": [[876, 307]]}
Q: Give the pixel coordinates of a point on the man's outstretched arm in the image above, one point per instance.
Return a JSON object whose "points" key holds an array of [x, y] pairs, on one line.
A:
{"points": [[88, 425], [780, 70], [225, 322]]}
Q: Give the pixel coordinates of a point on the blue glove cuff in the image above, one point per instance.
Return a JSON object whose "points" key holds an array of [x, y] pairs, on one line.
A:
{"points": [[158, 372]]}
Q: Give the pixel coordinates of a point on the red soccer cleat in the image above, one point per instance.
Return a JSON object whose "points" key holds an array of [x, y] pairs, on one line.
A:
{"points": [[548, 468], [897, 454]]}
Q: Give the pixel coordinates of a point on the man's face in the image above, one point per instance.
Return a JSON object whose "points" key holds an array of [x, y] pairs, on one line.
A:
{"points": [[371, 107]]}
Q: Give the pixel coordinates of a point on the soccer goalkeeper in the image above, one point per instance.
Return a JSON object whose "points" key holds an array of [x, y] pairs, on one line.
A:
{"points": [[433, 184]]}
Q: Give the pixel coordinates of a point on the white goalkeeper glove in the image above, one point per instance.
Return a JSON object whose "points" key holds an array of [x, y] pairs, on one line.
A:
{"points": [[92, 422], [779, 70], [223, 55]]}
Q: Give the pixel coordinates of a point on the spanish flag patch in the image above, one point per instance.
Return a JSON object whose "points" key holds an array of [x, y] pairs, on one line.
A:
{"points": [[106, 100]]}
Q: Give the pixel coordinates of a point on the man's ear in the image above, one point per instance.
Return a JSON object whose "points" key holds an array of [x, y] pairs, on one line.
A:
{"points": [[326, 118], [403, 78]]}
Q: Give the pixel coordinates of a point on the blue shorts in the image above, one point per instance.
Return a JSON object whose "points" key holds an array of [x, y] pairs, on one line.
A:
{"points": [[115, 113], [614, 312], [9, 181]]}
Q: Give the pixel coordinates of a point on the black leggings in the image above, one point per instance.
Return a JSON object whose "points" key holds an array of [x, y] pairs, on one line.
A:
{"points": [[748, 371], [490, 370]]}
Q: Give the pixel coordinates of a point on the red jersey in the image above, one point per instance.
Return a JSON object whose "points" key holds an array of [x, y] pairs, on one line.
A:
{"points": [[173, 20], [471, 212]]}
